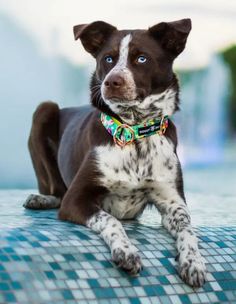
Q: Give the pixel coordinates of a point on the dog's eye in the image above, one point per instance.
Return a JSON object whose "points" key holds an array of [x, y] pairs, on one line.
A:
{"points": [[141, 59], [108, 59]]}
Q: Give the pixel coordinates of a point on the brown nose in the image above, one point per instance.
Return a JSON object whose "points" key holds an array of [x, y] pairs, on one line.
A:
{"points": [[114, 81]]}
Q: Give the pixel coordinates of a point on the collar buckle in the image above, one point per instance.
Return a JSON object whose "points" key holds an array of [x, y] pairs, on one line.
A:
{"points": [[123, 142], [163, 125]]}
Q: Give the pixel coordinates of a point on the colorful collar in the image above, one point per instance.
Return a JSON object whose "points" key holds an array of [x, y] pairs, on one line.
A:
{"points": [[124, 134]]}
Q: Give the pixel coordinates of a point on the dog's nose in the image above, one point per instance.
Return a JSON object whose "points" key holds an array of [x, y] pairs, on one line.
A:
{"points": [[114, 81]]}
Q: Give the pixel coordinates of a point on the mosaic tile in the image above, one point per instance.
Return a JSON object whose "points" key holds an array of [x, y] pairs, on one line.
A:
{"points": [[48, 261]]}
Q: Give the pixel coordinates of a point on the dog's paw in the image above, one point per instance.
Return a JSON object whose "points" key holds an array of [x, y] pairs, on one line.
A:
{"points": [[127, 258], [192, 270], [35, 201]]}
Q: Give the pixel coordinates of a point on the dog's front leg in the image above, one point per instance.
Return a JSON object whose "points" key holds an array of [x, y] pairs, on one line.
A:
{"points": [[176, 219], [82, 204], [123, 252]]}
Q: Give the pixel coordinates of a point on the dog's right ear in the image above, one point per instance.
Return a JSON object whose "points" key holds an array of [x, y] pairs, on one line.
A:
{"points": [[93, 35]]}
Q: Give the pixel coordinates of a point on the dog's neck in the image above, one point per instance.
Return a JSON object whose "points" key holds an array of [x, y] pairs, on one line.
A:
{"points": [[153, 106]]}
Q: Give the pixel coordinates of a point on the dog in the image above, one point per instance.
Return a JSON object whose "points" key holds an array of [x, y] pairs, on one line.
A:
{"points": [[103, 163]]}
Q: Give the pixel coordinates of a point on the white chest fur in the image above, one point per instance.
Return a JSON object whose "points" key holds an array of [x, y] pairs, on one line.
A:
{"points": [[132, 172]]}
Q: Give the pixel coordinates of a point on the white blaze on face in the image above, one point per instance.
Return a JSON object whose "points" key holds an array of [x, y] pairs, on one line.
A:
{"points": [[121, 68], [123, 54]]}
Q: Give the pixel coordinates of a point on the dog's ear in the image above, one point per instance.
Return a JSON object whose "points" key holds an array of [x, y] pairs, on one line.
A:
{"points": [[172, 35], [93, 35]]}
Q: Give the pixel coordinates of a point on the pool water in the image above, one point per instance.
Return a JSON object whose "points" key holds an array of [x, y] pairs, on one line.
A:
{"points": [[44, 260]]}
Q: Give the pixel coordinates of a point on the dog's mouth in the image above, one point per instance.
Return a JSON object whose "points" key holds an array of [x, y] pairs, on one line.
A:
{"points": [[120, 99], [123, 100], [119, 95]]}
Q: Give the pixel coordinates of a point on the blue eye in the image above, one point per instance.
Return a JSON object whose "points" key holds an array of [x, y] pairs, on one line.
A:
{"points": [[141, 59], [108, 59]]}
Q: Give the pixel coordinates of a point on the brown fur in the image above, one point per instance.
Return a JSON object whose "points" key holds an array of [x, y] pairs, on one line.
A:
{"points": [[62, 142]]}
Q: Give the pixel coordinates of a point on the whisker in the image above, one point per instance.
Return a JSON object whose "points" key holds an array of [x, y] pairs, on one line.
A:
{"points": [[96, 87], [96, 93]]}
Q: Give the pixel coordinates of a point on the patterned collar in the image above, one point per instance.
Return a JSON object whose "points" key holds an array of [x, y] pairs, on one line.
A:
{"points": [[124, 134]]}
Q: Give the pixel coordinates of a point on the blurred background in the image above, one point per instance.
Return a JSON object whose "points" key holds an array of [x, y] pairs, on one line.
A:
{"points": [[39, 60]]}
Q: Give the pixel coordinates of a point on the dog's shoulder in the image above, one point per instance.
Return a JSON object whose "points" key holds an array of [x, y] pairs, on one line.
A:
{"points": [[74, 116], [84, 124]]}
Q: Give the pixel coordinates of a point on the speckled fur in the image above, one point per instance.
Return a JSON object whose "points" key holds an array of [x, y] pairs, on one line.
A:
{"points": [[124, 254], [142, 173], [149, 176]]}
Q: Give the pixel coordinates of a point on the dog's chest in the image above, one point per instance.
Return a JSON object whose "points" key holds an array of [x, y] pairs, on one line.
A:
{"points": [[130, 173]]}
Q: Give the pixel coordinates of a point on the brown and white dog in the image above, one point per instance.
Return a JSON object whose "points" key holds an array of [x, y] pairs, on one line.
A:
{"points": [[96, 182]]}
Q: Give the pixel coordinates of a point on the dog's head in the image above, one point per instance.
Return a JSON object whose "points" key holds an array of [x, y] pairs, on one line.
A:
{"points": [[134, 77]]}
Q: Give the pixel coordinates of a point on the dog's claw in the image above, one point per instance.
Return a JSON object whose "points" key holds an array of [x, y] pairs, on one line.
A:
{"points": [[177, 258], [128, 260], [193, 272]]}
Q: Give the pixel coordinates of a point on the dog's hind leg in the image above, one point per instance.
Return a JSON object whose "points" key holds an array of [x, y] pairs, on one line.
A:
{"points": [[43, 146]]}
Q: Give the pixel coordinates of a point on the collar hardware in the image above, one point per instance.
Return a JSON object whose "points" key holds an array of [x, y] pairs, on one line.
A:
{"points": [[121, 140], [163, 125]]}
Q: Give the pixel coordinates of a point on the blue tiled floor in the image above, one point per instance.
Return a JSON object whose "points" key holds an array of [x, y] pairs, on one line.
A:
{"points": [[43, 260]]}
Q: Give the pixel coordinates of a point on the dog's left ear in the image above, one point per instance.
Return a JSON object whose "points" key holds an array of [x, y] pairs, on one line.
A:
{"points": [[93, 35], [172, 35]]}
